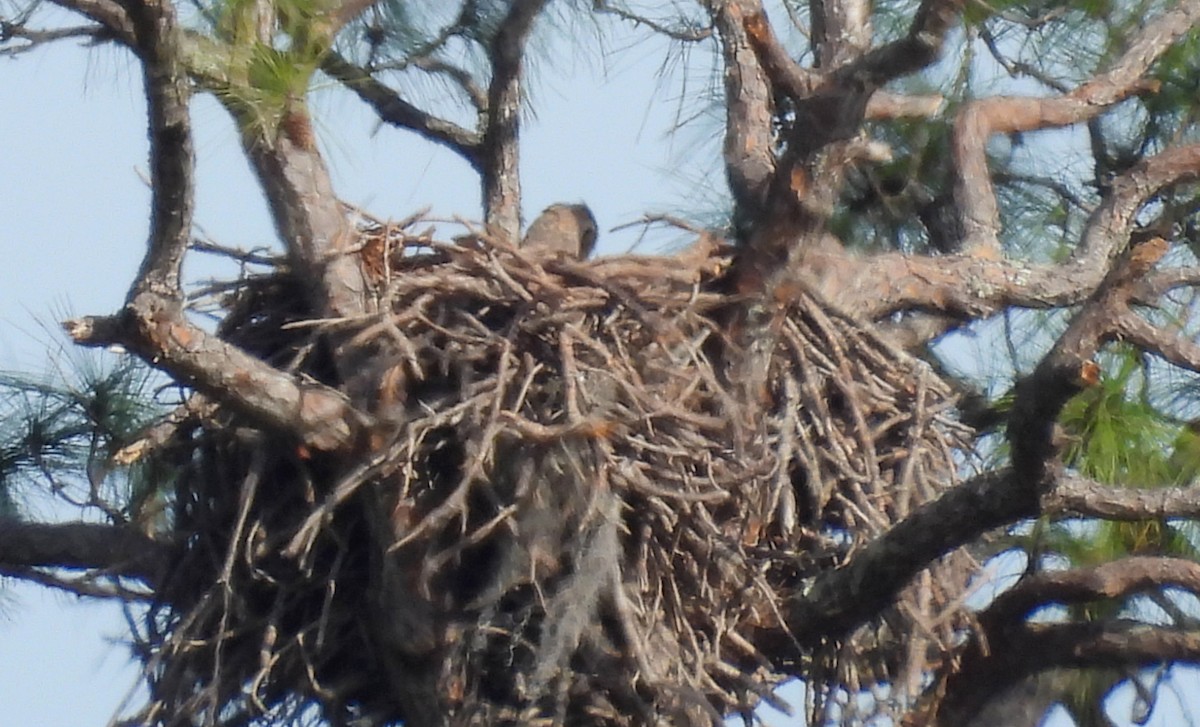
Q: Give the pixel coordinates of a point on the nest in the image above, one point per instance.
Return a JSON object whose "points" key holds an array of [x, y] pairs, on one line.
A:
{"points": [[567, 510]]}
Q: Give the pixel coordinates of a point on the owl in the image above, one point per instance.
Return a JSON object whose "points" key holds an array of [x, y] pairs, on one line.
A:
{"points": [[569, 229]]}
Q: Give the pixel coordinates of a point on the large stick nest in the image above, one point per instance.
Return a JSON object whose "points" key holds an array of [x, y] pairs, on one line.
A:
{"points": [[568, 509]]}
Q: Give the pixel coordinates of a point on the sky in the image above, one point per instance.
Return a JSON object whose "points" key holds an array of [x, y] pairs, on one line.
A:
{"points": [[73, 221]]}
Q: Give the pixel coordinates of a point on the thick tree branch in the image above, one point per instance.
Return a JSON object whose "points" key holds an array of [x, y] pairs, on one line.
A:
{"points": [[1075, 496], [749, 109], [500, 157], [155, 329], [788, 198], [172, 159], [1118, 579], [841, 31], [396, 111], [153, 325], [1162, 282], [786, 75], [307, 213], [841, 48], [919, 48], [1033, 648], [979, 120], [838, 601], [884, 284], [1068, 368], [113, 550], [886, 105], [283, 153], [1009, 649], [1022, 704], [1178, 350], [1109, 228], [819, 135]]}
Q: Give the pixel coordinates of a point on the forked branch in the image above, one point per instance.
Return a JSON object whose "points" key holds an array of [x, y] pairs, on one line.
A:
{"points": [[1033, 648], [885, 284], [1009, 648], [1115, 580], [916, 50], [153, 324], [980, 120]]}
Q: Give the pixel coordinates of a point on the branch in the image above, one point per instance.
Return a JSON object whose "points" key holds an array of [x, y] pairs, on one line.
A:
{"points": [[1034, 648], [979, 120], [1075, 496], [153, 325], [88, 585], [347, 12], [1109, 228], [827, 111], [107, 13], [32, 38], [838, 601], [787, 76], [156, 330], [918, 49], [1115, 580], [1178, 350], [749, 110], [465, 81], [876, 287], [689, 34], [1068, 367], [1164, 281], [172, 159], [841, 31], [307, 213], [396, 111], [116, 551], [500, 156], [885, 105], [1009, 649]]}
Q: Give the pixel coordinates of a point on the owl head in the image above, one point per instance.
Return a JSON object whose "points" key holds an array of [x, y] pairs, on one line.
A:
{"points": [[568, 229]]}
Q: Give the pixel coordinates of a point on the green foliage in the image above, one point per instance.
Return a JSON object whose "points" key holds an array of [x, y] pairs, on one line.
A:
{"points": [[268, 56], [1116, 435], [53, 428]]}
